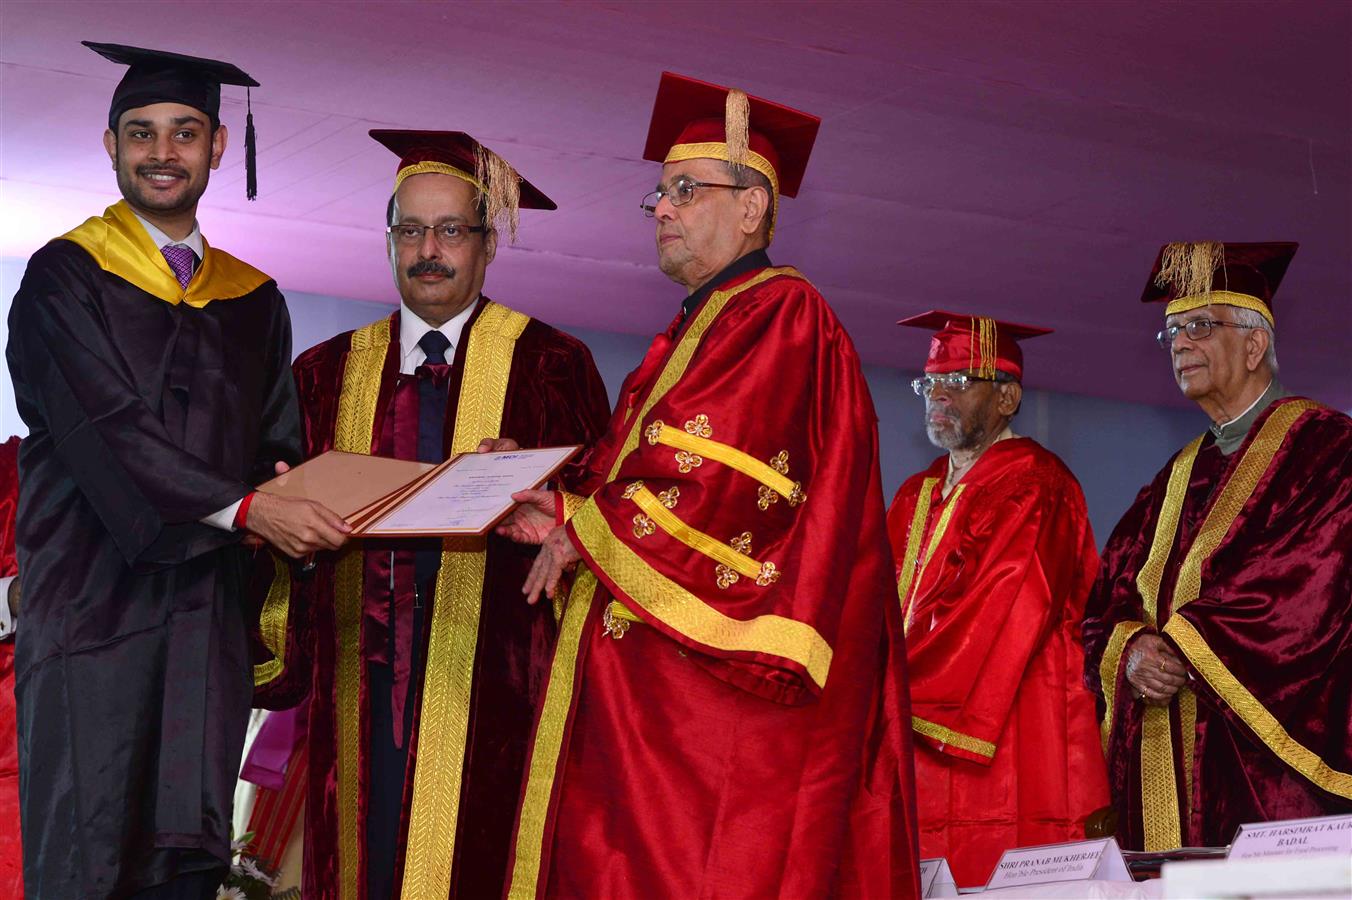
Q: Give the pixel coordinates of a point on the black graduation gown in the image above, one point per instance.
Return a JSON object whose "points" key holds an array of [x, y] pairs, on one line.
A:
{"points": [[133, 671]]}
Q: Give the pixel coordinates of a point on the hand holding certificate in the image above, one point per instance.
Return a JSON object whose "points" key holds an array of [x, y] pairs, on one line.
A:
{"points": [[380, 497]]}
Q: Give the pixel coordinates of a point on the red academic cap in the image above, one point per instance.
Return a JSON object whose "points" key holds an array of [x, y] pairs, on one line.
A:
{"points": [[456, 153], [980, 344], [1191, 275], [694, 119]]}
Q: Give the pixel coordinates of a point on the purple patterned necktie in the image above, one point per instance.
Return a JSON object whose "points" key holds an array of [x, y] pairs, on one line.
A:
{"points": [[181, 259]]}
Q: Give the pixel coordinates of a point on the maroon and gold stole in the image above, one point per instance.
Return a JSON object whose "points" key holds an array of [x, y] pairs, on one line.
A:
{"points": [[1160, 791], [444, 723]]}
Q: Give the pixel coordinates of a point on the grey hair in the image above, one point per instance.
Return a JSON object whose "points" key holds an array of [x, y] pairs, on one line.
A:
{"points": [[1254, 319], [747, 177]]}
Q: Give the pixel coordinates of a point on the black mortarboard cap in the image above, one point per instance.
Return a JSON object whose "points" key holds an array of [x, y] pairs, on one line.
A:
{"points": [[158, 76]]}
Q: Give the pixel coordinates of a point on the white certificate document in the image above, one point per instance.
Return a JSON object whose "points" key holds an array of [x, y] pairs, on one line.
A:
{"points": [[471, 494]]}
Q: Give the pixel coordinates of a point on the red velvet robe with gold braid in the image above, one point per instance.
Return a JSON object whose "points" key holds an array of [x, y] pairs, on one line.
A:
{"points": [[11, 855], [1249, 581], [553, 396], [992, 582], [725, 712]]}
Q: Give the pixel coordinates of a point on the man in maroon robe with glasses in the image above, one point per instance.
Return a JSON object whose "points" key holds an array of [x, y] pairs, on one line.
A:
{"points": [[1219, 634], [423, 665]]}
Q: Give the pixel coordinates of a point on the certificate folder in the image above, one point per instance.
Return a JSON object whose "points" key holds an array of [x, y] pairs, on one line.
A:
{"points": [[380, 497]]}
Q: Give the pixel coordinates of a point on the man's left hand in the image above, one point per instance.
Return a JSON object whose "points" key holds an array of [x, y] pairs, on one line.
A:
{"points": [[557, 555], [497, 445]]}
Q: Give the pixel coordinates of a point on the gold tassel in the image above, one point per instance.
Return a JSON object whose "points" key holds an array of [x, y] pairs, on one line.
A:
{"points": [[504, 189], [987, 347], [737, 126], [1190, 267]]}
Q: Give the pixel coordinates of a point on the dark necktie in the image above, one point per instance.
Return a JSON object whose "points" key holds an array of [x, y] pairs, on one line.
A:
{"points": [[432, 394], [182, 260], [432, 397]]}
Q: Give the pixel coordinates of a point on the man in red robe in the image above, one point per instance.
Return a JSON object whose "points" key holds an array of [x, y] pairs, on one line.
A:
{"points": [[425, 664], [724, 715], [11, 852], [1218, 633], [994, 557]]}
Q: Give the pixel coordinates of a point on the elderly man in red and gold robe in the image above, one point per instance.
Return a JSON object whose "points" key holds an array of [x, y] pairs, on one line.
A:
{"points": [[426, 664], [725, 713], [995, 558], [1219, 632]]}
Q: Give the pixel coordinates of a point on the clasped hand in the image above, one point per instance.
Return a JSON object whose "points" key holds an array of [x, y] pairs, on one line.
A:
{"points": [[1154, 670]]}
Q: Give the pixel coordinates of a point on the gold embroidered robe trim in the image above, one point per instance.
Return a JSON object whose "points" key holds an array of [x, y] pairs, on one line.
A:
{"points": [[272, 622], [357, 403], [661, 433], [1159, 782], [541, 779], [913, 539], [443, 726], [947, 735]]}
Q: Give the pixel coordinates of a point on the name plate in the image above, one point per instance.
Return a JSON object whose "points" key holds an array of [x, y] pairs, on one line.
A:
{"points": [[1297, 837], [1099, 860], [936, 879]]}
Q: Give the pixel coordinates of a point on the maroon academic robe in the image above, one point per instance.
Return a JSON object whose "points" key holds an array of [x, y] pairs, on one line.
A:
{"points": [[725, 713], [992, 583], [487, 651], [1244, 564]]}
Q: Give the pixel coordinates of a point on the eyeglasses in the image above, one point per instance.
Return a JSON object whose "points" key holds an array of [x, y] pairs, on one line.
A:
{"points": [[681, 192], [1197, 330], [953, 382], [447, 234]]}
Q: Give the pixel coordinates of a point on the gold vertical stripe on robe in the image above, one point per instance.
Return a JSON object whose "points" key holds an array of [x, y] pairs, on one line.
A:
{"points": [[357, 403], [547, 748], [443, 726], [1160, 790]]}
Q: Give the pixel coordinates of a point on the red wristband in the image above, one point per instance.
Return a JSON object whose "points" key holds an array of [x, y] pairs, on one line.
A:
{"points": [[242, 514]]}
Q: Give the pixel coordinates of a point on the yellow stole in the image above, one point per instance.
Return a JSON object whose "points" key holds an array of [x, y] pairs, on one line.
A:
{"points": [[444, 723], [121, 247]]}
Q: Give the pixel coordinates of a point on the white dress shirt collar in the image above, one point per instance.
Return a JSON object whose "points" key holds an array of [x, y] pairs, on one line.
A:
{"points": [[193, 241], [412, 328]]}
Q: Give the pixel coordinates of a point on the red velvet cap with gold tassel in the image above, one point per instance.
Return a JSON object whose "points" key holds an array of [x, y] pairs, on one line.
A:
{"points": [[457, 154], [1192, 275], [695, 119], [977, 344]]}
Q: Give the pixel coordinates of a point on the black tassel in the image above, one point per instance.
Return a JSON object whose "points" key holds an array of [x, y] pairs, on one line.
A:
{"points": [[250, 152]]}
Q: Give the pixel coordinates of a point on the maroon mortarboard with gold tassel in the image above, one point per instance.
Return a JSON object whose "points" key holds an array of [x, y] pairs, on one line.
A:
{"points": [[980, 344], [1189, 276], [158, 76], [694, 119], [461, 156]]}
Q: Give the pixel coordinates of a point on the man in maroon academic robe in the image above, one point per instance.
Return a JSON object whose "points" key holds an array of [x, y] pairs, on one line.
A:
{"points": [[426, 665], [1219, 634], [726, 713], [995, 558]]}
